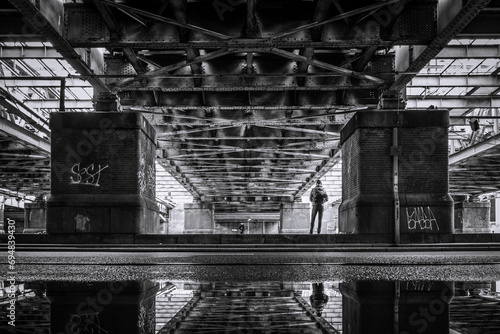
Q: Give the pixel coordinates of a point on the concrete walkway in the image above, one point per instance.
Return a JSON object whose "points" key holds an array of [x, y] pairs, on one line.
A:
{"points": [[255, 266]]}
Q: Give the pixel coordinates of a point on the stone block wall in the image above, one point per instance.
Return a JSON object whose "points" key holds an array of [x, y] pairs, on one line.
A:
{"points": [[295, 218], [35, 217], [472, 217], [367, 183], [103, 174]]}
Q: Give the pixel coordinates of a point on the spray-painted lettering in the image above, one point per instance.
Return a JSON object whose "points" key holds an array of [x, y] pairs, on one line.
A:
{"points": [[88, 176], [146, 177], [82, 223], [420, 218]]}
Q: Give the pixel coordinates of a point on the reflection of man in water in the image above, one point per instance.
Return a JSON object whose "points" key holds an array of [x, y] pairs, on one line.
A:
{"points": [[242, 228], [318, 298]]}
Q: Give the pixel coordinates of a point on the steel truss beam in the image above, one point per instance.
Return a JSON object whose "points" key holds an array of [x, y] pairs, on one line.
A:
{"points": [[18, 133], [471, 102], [164, 19], [469, 10], [326, 165], [16, 107], [270, 88], [474, 151], [455, 81], [44, 82], [55, 104], [236, 43], [245, 150], [178, 177], [29, 52], [31, 13], [469, 51], [342, 109]]}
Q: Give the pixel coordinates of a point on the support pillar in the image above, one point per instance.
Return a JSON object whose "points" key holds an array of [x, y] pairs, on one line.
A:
{"points": [[424, 306], [35, 217], [396, 307], [199, 218], [295, 218], [77, 307], [472, 217], [371, 201], [368, 307], [102, 174]]}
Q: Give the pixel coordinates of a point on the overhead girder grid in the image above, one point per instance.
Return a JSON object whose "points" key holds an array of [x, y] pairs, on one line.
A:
{"points": [[464, 16], [476, 169], [247, 102], [249, 106], [46, 18]]}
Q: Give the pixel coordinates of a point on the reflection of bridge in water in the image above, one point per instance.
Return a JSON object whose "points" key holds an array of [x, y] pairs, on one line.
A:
{"points": [[247, 308], [143, 307]]}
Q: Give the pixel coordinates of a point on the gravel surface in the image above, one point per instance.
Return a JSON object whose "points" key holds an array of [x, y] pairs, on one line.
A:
{"points": [[296, 267]]}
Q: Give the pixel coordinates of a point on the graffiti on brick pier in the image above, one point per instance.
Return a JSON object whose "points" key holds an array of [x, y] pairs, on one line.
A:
{"points": [[420, 218], [88, 176], [82, 223], [146, 176]]}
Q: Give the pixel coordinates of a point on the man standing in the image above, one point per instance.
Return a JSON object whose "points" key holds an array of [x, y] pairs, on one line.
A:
{"points": [[318, 197]]}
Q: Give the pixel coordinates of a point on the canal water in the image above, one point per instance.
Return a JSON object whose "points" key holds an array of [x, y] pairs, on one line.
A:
{"points": [[149, 293], [164, 306]]}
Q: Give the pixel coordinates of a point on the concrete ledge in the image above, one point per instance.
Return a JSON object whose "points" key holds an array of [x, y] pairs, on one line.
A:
{"points": [[252, 239]]}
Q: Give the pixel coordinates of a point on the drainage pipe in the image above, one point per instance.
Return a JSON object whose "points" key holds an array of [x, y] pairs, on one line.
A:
{"points": [[395, 184]]}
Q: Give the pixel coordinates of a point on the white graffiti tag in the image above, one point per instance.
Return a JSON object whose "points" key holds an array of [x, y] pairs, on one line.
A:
{"points": [[82, 223], [421, 218], [146, 177], [88, 176]]}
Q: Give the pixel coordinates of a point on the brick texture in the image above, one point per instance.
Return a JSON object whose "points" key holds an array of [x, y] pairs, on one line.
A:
{"points": [[103, 174], [367, 189]]}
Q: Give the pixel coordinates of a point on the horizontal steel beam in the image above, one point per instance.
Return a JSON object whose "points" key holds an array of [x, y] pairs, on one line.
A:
{"points": [[466, 14], [327, 66], [249, 88], [197, 158], [164, 19], [233, 43], [29, 52], [457, 103], [475, 150], [32, 14], [55, 104], [25, 136], [482, 27], [44, 82], [170, 139], [341, 109], [455, 81], [469, 51], [232, 216], [326, 166], [34, 117]]}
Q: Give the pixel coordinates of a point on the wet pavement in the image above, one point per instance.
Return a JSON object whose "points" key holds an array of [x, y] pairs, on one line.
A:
{"points": [[298, 267], [252, 293]]}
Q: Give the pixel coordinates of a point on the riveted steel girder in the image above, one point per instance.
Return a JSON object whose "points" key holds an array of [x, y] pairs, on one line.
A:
{"points": [[469, 10], [48, 28]]}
